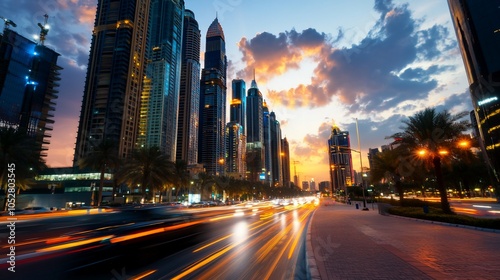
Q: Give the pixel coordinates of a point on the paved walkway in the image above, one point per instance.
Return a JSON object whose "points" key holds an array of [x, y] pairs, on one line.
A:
{"points": [[348, 243]]}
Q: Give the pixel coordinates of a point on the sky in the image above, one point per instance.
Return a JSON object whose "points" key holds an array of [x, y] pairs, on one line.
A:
{"points": [[374, 62]]}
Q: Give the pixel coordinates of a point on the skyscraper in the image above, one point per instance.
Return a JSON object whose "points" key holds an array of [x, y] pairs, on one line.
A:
{"points": [[477, 26], [114, 82], [160, 101], [340, 159], [266, 125], [285, 159], [235, 150], [276, 155], [189, 97], [29, 77], [255, 157], [211, 137], [238, 104], [235, 132]]}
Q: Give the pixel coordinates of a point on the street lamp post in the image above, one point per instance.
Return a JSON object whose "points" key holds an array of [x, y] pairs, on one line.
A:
{"points": [[436, 155]]}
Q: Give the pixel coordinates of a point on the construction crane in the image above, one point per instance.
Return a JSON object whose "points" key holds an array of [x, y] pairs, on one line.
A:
{"points": [[8, 23], [44, 29]]}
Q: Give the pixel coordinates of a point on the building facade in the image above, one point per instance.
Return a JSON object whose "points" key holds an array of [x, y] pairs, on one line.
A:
{"points": [[189, 97], [212, 130], [114, 83], [29, 77], [477, 26]]}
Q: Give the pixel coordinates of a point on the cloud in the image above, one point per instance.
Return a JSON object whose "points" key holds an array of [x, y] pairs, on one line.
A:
{"points": [[268, 55], [373, 75], [273, 55], [313, 147]]}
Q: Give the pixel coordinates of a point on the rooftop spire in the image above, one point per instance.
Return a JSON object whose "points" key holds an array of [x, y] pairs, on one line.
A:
{"points": [[254, 83]]}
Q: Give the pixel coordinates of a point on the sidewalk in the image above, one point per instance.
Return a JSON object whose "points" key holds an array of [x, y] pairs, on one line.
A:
{"points": [[348, 243]]}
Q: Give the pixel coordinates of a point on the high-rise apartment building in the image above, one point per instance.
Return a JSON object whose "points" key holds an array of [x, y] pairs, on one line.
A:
{"points": [[477, 26], [160, 98], [115, 74], [211, 137], [189, 97], [235, 151], [372, 152], [29, 77]]}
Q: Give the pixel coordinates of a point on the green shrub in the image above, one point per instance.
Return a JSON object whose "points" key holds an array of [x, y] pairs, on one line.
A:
{"points": [[436, 214]]}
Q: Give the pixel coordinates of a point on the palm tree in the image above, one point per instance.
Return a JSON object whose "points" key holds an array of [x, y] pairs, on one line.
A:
{"points": [[18, 151], [180, 176], [204, 180], [103, 157], [386, 166], [149, 168], [223, 183], [437, 133]]}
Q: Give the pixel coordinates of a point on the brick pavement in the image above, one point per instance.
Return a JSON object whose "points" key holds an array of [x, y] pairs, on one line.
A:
{"points": [[347, 243]]}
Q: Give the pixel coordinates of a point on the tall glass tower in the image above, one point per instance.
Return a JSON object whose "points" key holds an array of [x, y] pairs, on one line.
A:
{"points": [[113, 87], [266, 125], [276, 155], [255, 157], [239, 103], [212, 133], [235, 131], [160, 99], [477, 26], [189, 97]]}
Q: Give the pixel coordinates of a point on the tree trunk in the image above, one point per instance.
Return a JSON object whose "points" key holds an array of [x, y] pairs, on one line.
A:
{"points": [[445, 205], [399, 188]]}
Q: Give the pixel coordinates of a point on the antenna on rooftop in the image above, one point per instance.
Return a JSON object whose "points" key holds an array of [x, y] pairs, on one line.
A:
{"points": [[44, 29]]}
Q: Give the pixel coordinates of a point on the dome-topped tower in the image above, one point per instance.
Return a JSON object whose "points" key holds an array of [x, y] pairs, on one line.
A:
{"points": [[215, 30]]}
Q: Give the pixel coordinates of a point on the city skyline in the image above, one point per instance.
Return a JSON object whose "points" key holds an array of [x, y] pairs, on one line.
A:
{"points": [[377, 61]]}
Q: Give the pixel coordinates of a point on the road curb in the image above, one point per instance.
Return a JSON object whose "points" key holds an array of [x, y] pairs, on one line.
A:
{"points": [[312, 266]]}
